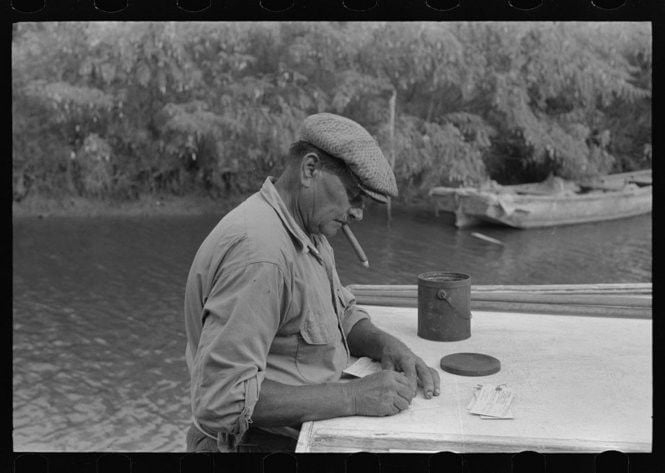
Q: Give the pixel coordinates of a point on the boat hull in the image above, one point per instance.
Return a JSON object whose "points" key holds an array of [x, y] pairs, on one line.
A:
{"points": [[471, 206]]}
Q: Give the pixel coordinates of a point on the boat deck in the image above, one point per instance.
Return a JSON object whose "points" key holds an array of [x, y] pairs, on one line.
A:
{"points": [[582, 384]]}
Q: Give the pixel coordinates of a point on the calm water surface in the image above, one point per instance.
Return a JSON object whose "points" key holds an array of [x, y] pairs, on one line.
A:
{"points": [[98, 353]]}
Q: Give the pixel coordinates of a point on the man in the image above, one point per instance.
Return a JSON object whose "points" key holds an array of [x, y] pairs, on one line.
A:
{"points": [[270, 326]]}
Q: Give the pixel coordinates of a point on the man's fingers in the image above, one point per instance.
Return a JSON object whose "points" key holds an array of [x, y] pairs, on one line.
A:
{"points": [[409, 369], [405, 391], [400, 403], [387, 364], [426, 379], [404, 381], [437, 381]]}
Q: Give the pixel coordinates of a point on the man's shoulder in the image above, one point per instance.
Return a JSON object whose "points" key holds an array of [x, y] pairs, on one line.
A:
{"points": [[257, 231], [244, 216]]}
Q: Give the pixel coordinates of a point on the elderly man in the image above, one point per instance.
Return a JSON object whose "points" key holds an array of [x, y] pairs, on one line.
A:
{"points": [[270, 326]]}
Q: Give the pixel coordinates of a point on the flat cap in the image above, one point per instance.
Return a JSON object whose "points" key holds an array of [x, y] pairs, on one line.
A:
{"points": [[345, 139]]}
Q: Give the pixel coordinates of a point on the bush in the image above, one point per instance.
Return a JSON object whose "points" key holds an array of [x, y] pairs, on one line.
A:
{"points": [[111, 109]]}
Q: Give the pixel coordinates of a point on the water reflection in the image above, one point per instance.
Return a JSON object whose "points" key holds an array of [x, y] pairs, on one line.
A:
{"points": [[98, 337], [615, 251]]}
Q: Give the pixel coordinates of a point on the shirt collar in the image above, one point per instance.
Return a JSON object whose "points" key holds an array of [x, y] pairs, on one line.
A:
{"points": [[272, 197]]}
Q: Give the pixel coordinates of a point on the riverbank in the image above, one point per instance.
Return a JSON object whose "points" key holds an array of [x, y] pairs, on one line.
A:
{"points": [[43, 207]]}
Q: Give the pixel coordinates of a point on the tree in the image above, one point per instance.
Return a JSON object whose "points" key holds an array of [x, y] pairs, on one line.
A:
{"points": [[112, 109]]}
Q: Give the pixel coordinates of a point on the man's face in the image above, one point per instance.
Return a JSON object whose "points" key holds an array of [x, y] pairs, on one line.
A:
{"points": [[335, 199]]}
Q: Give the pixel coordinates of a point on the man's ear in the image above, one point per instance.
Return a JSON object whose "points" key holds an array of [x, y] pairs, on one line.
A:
{"points": [[309, 168]]}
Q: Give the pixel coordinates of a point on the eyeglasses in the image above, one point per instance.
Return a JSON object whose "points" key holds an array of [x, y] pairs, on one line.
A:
{"points": [[353, 191]]}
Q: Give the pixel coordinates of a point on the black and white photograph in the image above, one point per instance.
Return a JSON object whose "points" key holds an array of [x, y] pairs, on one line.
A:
{"points": [[332, 236]]}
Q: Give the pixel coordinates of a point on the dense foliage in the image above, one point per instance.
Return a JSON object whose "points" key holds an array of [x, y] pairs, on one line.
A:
{"points": [[116, 110]]}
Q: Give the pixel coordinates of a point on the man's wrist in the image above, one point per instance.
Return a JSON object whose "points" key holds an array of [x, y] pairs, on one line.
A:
{"points": [[390, 344], [369, 340], [348, 398]]}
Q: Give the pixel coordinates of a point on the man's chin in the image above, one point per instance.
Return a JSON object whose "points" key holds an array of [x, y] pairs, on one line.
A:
{"points": [[330, 230], [330, 234]]}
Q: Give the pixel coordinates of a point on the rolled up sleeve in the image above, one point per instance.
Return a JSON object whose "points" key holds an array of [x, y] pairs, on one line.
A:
{"points": [[240, 319], [352, 313]]}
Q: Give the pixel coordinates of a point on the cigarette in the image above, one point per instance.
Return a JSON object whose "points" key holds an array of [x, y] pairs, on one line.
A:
{"points": [[356, 246]]}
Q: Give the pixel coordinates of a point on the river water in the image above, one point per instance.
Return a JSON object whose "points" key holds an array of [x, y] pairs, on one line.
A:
{"points": [[98, 335]]}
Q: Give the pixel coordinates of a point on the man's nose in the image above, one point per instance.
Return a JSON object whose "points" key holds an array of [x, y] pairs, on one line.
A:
{"points": [[356, 213]]}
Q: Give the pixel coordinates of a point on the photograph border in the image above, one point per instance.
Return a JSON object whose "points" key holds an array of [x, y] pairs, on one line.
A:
{"points": [[341, 10]]}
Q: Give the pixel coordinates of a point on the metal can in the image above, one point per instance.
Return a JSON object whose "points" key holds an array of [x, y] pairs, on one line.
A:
{"points": [[444, 306]]}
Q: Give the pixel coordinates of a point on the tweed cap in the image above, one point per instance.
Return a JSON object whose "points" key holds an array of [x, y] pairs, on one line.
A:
{"points": [[345, 139]]}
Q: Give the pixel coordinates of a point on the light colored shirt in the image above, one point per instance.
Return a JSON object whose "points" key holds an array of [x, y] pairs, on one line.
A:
{"points": [[262, 301]]}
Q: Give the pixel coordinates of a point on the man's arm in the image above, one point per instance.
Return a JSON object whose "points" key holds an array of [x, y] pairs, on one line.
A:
{"points": [[229, 364], [365, 339], [380, 394], [281, 404]]}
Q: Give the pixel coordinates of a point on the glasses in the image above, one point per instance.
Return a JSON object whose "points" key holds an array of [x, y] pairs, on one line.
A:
{"points": [[353, 190]]}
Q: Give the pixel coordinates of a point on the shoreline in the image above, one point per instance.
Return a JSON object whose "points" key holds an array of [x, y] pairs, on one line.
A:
{"points": [[146, 206], [44, 207]]}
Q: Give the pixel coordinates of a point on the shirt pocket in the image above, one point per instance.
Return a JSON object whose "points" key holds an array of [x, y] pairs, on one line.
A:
{"points": [[315, 330], [316, 349]]}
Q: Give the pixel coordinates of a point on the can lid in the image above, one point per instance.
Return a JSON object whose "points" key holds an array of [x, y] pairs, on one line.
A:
{"points": [[470, 364], [443, 278]]}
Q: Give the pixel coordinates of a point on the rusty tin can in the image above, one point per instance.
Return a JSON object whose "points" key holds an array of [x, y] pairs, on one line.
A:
{"points": [[444, 306]]}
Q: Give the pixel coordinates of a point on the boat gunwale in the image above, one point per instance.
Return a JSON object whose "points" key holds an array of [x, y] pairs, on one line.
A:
{"points": [[467, 192]]}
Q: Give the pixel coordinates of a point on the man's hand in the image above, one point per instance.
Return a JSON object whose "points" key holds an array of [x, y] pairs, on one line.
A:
{"points": [[398, 357], [367, 340], [380, 394]]}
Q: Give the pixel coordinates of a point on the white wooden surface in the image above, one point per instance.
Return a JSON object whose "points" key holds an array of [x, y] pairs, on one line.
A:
{"points": [[582, 384]]}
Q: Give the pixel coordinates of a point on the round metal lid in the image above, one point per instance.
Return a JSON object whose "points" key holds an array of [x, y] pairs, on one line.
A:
{"points": [[470, 364]]}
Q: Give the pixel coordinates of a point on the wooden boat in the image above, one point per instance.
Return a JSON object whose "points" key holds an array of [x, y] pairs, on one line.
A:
{"points": [[548, 203]]}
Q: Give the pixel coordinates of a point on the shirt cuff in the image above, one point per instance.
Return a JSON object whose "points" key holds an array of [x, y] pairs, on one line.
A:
{"points": [[352, 315], [228, 440]]}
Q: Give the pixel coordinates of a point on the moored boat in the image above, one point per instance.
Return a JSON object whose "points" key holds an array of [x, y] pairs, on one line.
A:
{"points": [[548, 203]]}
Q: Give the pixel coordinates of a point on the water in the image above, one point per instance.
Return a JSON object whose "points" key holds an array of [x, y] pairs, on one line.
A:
{"points": [[98, 336]]}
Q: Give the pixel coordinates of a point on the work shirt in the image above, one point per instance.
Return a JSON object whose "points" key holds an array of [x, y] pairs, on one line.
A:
{"points": [[262, 301]]}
